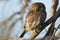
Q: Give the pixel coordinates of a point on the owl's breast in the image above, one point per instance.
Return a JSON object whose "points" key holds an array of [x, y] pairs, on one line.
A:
{"points": [[31, 22]]}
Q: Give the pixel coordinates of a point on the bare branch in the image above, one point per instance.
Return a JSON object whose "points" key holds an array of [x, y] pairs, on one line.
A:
{"points": [[9, 29], [52, 19], [50, 31], [24, 7], [54, 7], [3, 23]]}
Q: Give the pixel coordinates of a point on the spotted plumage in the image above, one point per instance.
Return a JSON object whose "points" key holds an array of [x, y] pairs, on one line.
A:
{"points": [[35, 17]]}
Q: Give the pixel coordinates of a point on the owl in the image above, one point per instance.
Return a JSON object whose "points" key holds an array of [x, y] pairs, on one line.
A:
{"points": [[35, 17]]}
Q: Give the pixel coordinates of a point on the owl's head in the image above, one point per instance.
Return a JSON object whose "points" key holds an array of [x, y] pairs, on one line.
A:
{"points": [[37, 7]]}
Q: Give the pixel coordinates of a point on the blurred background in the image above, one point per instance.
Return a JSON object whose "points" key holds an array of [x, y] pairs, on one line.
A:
{"points": [[12, 16]]}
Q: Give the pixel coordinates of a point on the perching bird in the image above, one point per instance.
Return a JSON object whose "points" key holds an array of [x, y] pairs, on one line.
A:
{"points": [[35, 17]]}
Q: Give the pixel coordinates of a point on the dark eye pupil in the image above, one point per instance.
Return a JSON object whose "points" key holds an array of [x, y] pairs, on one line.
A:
{"points": [[39, 7]]}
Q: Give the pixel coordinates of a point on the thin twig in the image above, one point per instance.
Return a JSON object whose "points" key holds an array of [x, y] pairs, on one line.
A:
{"points": [[3, 23], [25, 5], [52, 12], [22, 13], [9, 29]]}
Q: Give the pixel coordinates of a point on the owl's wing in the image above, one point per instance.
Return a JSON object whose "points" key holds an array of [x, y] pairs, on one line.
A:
{"points": [[34, 19], [42, 20], [29, 20], [43, 17]]}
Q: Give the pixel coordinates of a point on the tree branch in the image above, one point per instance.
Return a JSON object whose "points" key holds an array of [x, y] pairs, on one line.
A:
{"points": [[50, 31], [52, 19], [24, 7], [11, 26]]}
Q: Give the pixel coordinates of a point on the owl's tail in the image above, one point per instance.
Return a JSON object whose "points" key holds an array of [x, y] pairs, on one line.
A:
{"points": [[21, 36]]}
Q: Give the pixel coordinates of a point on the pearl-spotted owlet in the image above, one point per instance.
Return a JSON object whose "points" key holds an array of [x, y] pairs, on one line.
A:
{"points": [[35, 17]]}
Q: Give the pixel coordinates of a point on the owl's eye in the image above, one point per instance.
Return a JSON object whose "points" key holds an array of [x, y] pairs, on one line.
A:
{"points": [[40, 8]]}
